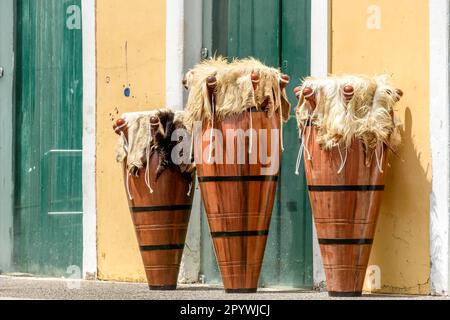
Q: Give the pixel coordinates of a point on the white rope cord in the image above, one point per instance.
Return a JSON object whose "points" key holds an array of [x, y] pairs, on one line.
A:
{"points": [[281, 130], [281, 122], [281, 114], [343, 160], [300, 152], [250, 144], [310, 95], [307, 141], [380, 162], [191, 152], [147, 168], [309, 121], [190, 189], [130, 196], [299, 159], [211, 136]]}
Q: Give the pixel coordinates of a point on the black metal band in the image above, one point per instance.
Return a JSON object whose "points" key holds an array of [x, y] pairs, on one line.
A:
{"points": [[163, 247], [342, 188], [232, 234], [237, 178], [162, 208], [345, 241]]}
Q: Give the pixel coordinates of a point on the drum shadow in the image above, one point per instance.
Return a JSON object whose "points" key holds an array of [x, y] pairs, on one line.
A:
{"points": [[401, 246]]}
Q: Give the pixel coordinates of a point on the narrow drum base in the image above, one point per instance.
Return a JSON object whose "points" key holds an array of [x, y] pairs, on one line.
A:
{"points": [[163, 288], [335, 294], [241, 291]]}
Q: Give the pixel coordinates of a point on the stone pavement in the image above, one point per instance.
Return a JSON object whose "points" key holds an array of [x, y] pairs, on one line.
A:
{"points": [[28, 288]]}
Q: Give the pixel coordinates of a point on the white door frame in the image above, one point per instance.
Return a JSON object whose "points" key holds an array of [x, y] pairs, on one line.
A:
{"points": [[183, 46], [89, 140], [320, 67], [6, 133], [440, 142]]}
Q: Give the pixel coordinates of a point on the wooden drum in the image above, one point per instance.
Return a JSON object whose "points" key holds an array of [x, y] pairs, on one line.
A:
{"points": [[161, 221], [345, 208], [238, 200]]}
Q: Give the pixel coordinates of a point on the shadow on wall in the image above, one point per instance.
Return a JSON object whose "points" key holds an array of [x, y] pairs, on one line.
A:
{"points": [[403, 225]]}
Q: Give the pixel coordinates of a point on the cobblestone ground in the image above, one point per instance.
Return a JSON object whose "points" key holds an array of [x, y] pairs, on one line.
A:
{"points": [[12, 288]]}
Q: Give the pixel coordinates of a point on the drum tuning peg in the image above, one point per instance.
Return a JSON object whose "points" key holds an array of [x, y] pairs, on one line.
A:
{"points": [[349, 93], [256, 78], [284, 81]]}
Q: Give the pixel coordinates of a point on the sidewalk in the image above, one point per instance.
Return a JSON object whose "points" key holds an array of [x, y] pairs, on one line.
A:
{"points": [[60, 289]]}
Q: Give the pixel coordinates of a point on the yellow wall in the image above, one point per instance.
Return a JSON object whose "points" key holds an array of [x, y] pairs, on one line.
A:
{"points": [[400, 48], [138, 25]]}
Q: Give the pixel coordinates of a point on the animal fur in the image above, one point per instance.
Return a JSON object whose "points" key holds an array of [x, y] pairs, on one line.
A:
{"points": [[234, 93], [141, 141], [162, 144], [369, 115]]}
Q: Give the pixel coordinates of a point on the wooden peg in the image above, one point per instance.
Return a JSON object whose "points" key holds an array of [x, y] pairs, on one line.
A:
{"points": [[256, 78], [121, 127], [211, 83], [349, 93], [156, 128], [284, 81], [298, 92], [309, 95]]}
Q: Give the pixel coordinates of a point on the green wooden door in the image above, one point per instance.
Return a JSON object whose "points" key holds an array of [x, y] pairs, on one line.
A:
{"points": [[278, 33], [48, 186]]}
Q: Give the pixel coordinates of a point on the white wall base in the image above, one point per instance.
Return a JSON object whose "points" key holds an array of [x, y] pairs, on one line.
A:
{"points": [[190, 264]]}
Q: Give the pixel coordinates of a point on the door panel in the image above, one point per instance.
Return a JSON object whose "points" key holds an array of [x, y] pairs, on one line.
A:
{"points": [[48, 195], [296, 220], [272, 32], [250, 33], [6, 131]]}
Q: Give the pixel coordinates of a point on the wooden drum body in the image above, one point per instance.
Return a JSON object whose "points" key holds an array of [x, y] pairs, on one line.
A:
{"points": [[161, 221], [239, 198], [345, 207]]}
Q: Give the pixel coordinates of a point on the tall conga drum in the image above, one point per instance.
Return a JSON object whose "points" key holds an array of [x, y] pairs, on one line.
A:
{"points": [[159, 195], [345, 153], [238, 172]]}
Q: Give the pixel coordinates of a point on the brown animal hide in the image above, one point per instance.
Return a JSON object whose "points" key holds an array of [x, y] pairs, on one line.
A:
{"points": [[144, 140]]}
